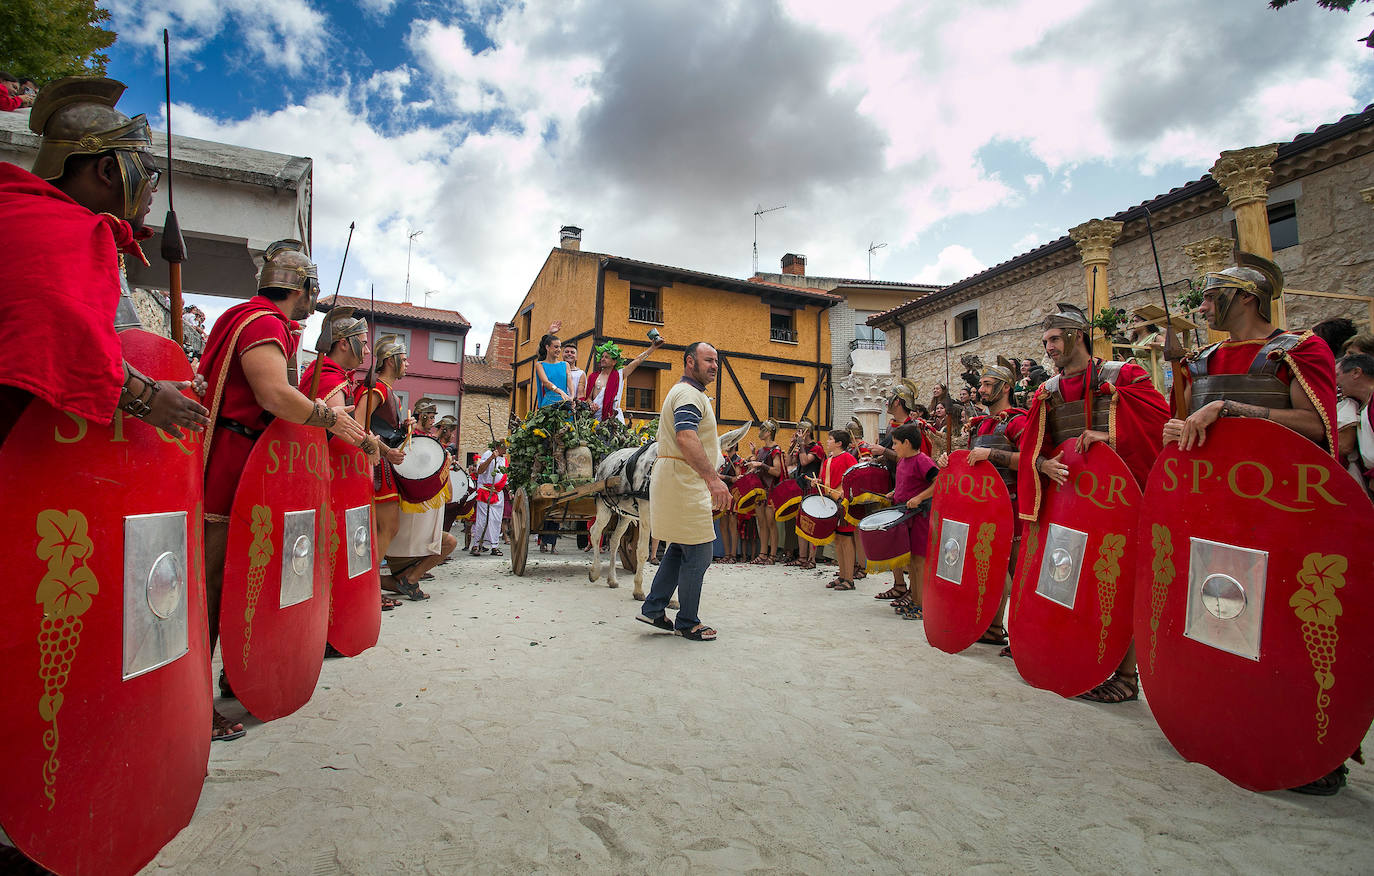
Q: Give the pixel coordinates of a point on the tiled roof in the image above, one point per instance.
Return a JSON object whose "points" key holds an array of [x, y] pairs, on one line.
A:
{"points": [[716, 281], [1299, 144], [479, 376], [426, 315]]}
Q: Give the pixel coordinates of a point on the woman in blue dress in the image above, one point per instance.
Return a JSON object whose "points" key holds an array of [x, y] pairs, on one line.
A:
{"points": [[551, 373]]}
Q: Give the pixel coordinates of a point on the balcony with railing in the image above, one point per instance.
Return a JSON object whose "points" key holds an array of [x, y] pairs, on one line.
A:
{"points": [[782, 335], [646, 314], [868, 344]]}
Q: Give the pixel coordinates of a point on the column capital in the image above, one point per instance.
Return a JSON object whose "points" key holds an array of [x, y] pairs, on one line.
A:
{"points": [[1245, 174], [1368, 195], [1210, 254], [1095, 239]]}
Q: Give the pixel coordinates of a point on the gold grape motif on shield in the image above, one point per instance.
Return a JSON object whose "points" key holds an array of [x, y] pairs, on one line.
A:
{"points": [[1108, 569], [259, 556], [1316, 605]]}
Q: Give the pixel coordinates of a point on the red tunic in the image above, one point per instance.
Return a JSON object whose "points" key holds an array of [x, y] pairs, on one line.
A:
{"points": [[1311, 360], [61, 288], [832, 473], [1016, 421], [332, 377], [230, 398], [1135, 423]]}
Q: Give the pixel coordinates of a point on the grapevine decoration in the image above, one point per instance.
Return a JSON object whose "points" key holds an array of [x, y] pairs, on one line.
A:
{"points": [[259, 555], [537, 448], [1032, 543], [1316, 605], [1163, 567], [332, 555], [1108, 569], [982, 553], [65, 592]]}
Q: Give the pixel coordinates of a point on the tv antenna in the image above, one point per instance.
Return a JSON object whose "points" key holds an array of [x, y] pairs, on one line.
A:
{"points": [[410, 243], [872, 248], [759, 211], [429, 292]]}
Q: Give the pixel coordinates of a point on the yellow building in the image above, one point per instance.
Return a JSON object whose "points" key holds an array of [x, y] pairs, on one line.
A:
{"points": [[774, 340]]}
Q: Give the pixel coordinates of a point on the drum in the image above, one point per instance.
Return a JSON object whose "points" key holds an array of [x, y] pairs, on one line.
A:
{"points": [[748, 492], [865, 487], [785, 498], [886, 537], [818, 518], [422, 475], [464, 492]]}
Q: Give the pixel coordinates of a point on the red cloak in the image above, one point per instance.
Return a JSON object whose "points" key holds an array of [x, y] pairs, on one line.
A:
{"points": [[61, 282], [1135, 425], [332, 376], [1310, 361]]}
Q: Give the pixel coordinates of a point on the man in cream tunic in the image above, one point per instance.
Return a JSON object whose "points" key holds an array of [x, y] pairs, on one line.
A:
{"points": [[684, 491]]}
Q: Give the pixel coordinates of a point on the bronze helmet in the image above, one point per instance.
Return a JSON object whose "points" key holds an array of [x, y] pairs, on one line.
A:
{"points": [[286, 266], [340, 324], [1252, 274]]}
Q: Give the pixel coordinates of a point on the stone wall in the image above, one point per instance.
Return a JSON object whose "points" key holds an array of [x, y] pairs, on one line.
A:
{"points": [[473, 434]]}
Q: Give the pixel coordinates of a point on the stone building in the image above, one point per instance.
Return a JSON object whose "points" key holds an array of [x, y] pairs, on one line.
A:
{"points": [[858, 351], [774, 340], [1306, 201], [487, 384]]}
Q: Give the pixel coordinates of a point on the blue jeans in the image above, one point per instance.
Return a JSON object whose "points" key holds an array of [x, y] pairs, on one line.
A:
{"points": [[683, 567]]}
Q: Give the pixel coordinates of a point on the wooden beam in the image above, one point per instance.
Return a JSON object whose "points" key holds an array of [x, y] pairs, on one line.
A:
{"points": [[748, 406]]}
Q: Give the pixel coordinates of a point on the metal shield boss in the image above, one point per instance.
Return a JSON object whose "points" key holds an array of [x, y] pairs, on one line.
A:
{"points": [[971, 533], [1254, 611], [1071, 603], [275, 610], [355, 610], [106, 697]]}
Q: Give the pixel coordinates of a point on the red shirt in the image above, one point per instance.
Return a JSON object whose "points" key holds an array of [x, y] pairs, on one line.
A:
{"points": [[834, 467], [237, 401], [8, 103]]}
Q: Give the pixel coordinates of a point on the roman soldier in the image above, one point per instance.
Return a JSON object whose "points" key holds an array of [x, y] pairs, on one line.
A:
{"points": [[383, 415], [425, 413], [1259, 370], [767, 462], [245, 368], [69, 226], [1093, 401]]}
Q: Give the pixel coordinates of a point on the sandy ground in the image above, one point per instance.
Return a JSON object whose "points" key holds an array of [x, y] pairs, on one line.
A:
{"points": [[530, 725]]}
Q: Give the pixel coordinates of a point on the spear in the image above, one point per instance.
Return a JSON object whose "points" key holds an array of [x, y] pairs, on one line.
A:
{"points": [[173, 244], [315, 379], [1088, 387], [1172, 347], [949, 400]]}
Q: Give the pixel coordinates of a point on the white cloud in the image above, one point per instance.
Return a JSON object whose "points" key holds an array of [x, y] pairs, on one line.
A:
{"points": [[282, 34], [954, 263], [1034, 181]]}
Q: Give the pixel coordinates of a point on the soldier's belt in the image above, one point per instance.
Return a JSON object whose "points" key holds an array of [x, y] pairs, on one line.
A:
{"points": [[236, 426]]}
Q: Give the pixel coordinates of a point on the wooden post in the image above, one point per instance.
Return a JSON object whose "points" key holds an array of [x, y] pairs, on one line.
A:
{"points": [[1245, 174], [1094, 239]]}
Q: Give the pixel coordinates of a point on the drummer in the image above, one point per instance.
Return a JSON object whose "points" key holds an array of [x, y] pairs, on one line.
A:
{"points": [[902, 409], [383, 416], [913, 485], [767, 462], [421, 542], [804, 460], [729, 471], [837, 461]]}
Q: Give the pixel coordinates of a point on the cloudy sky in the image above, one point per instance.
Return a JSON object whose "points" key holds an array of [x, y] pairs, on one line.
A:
{"points": [[958, 134]]}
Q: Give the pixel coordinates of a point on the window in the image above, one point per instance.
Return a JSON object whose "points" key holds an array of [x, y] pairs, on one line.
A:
{"points": [[866, 337], [526, 319], [445, 348], [782, 325], [966, 326], [402, 400], [1283, 225], [640, 391], [645, 305], [780, 400], [447, 406]]}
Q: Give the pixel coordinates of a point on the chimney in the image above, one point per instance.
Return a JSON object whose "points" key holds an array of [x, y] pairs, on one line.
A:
{"points": [[792, 263], [570, 237], [501, 347], [478, 352]]}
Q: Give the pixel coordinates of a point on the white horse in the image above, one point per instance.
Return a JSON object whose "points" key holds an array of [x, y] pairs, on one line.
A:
{"points": [[629, 503]]}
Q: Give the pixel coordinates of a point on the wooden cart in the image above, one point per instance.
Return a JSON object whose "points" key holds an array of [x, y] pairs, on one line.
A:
{"points": [[553, 507]]}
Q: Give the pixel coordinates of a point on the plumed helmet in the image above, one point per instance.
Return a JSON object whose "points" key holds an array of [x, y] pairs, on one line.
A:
{"points": [[425, 406], [340, 324], [855, 428], [806, 425], [907, 391], [769, 425], [447, 421], [1252, 274], [286, 266], [1002, 371], [1068, 317], [388, 346], [76, 116]]}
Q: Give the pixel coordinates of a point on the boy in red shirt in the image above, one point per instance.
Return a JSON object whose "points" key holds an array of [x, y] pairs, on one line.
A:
{"points": [[837, 462], [914, 483]]}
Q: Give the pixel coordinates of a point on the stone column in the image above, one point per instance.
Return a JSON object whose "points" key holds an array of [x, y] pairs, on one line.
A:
{"points": [[1245, 174], [1095, 239], [1209, 255]]}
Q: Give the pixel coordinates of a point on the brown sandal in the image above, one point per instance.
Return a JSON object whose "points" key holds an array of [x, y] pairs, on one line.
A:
{"points": [[893, 593], [1122, 687], [845, 584]]}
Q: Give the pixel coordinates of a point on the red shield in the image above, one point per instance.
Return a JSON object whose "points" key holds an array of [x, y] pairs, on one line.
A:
{"points": [[106, 697], [971, 532], [1072, 601], [1254, 618], [355, 608], [275, 609]]}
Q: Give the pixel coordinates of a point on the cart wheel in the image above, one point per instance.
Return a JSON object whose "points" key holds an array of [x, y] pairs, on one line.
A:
{"points": [[628, 543], [519, 531]]}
